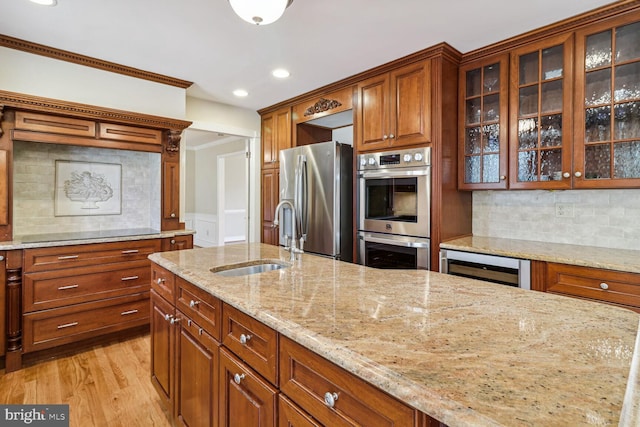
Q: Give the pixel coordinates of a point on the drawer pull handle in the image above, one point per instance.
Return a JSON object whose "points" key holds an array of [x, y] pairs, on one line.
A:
{"points": [[330, 399], [130, 251], [237, 378], [62, 288], [200, 331], [193, 303], [62, 258], [168, 317], [1, 257], [604, 286], [67, 325], [160, 281], [244, 339], [124, 279], [174, 320], [124, 313]]}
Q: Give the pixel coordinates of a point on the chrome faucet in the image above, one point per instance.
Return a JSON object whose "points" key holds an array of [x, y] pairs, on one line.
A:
{"points": [[290, 242]]}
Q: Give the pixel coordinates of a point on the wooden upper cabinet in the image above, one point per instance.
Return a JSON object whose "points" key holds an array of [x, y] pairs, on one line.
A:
{"points": [[541, 114], [607, 100], [269, 199], [170, 192], [130, 133], [276, 136], [394, 109], [483, 124]]}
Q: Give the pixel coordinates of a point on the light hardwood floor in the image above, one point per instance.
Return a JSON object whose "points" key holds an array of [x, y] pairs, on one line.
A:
{"points": [[106, 385]]}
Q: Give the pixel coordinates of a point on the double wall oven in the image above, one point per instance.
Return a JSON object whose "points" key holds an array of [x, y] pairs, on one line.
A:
{"points": [[394, 197]]}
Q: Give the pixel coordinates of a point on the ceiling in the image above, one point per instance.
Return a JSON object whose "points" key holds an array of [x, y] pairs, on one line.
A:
{"points": [[319, 41]]}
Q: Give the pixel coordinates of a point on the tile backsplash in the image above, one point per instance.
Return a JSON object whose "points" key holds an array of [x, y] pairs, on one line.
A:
{"points": [[605, 218], [34, 189]]}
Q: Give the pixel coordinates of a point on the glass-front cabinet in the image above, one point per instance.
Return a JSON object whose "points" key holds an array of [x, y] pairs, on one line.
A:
{"points": [[540, 115], [483, 124], [607, 131]]}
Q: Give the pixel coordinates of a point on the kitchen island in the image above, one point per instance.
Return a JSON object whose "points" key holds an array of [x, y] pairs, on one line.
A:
{"points": [[462, 351]]}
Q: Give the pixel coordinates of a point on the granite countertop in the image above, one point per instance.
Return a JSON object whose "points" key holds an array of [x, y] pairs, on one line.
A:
{"points": [[86, 237], [586, 256], [463, 351]]}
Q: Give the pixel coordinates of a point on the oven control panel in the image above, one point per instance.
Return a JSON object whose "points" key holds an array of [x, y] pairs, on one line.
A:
{"points": [[411, 158]]}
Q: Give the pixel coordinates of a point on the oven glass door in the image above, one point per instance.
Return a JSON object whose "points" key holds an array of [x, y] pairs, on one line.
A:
{"points": [[393, 252], [395, 202]]}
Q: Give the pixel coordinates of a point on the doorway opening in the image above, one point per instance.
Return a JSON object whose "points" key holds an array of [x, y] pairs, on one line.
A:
{"points": [[233, 173]]}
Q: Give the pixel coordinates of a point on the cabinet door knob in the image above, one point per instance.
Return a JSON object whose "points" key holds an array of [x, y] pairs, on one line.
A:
{"points": [[1, 258], [160, 281], [172, 241], [330, 399], [503, 177], [604, 286], [577, 174], [193, 303], [391, 136], [566, 175], [384, 137], [167, 317], [174, 320], [237, 378], [244, 338]]}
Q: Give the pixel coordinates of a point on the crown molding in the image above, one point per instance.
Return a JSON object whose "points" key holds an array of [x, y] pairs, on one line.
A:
{"points": [[87, 61], [85, 111]]}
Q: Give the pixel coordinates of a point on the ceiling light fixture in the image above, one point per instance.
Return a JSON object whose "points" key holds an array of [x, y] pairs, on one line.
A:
{"points": [[280, 73], [260, 12], [45, 2], [240, 93]]}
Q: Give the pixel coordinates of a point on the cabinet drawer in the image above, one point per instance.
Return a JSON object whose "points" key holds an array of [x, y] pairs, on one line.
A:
{"points": [[44, 259], [163, 282], [130, 133], [54, 124], [604, 285], [252, 341], [57, 288], [306, 378], [200, 306], [50, 328]]}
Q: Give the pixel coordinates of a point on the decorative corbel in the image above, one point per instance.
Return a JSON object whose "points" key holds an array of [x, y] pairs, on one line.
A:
{"points": [[321, 106], [173, 141]]}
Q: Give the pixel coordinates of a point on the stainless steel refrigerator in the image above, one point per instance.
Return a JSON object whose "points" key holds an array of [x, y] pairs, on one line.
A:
{"points": [[318, 179]]}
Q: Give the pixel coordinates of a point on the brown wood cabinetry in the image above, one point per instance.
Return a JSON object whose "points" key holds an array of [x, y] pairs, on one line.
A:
{"points": [[245, 398], [290, 414], [334, 396], [196, 394], [276, 136], [613, 287], [199, 306], [48, 123], [71, 293], [483, 116], [394, 109], [162, 347], [252, 341], [3, 302], [270, 198], [177, 243]]}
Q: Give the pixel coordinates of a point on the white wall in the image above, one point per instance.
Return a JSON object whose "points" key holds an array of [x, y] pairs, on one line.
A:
{"points": [[30, 74], [605, 218]]}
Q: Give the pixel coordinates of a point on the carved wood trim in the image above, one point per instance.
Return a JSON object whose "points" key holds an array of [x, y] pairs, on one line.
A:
{"points": [[173, 142], [87, 61], [73, 109], [14, 312], [321, 106], [567, 25], [1, 115]]}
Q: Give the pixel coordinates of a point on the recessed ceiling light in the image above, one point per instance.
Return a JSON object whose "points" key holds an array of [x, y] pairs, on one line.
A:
{"points": [[240, 92], [45, 2], [281, 73]]}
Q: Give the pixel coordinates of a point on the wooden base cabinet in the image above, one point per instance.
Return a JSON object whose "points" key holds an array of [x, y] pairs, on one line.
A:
{"points": [[196, 395], [162, 348], [246, 398]]}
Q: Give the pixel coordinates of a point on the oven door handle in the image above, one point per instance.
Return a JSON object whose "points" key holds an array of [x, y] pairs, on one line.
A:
{"points": [[395, 242], [422, 171]]}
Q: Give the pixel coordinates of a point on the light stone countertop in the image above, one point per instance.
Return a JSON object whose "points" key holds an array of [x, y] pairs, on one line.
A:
{"points": [[587, 256], [465, 352], [82, 238]]}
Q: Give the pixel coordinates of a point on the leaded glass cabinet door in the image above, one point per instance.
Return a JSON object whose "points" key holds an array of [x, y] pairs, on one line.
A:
{"points": [[540, 108], [483, 124], [608, 105]]}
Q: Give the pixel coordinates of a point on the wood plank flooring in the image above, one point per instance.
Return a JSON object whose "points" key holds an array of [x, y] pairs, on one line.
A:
{"points": [[105, 385]]}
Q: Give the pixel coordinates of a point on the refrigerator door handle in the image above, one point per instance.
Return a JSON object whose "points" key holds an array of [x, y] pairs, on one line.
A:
{"points": [[304, 196], [297, 196]]}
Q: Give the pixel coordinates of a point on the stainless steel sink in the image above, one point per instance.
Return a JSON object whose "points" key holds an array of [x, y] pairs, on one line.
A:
{"points": [[249, 267]]}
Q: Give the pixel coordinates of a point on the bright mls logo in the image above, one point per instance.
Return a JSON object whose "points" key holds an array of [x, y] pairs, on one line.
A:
{"points": [[35, 415]]}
